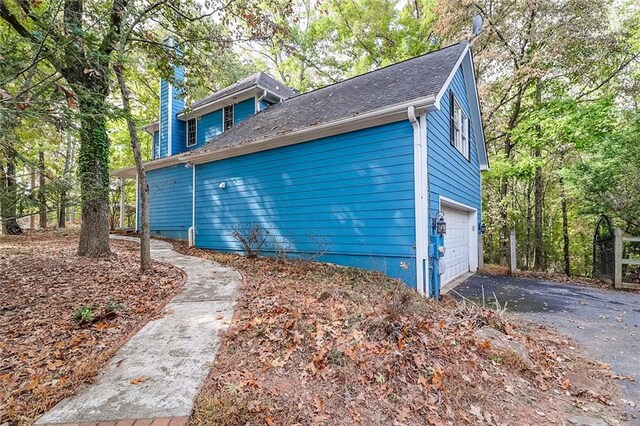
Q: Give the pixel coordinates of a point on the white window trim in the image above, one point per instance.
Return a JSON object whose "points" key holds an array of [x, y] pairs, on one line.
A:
{"points": [[461, 129], [195, 140], [233, 116]]}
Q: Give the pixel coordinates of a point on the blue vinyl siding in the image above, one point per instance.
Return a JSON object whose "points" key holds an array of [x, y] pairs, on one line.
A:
{"points": [[178, 143], [210, 125], [350, 196], [178, 127], [450, 174], [170, 201], [164, 114], [243, 110]]}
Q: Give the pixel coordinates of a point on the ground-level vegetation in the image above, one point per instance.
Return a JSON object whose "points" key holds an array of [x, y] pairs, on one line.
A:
{"points": [[62, 316], [319, 344]]}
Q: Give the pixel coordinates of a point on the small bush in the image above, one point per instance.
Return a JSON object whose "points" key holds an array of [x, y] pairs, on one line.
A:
{"points": [[112, 306], [336, 357], [84, 314], [252, 238]]}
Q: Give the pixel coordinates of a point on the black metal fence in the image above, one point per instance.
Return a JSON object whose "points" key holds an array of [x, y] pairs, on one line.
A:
{"points": [[604, 249]]}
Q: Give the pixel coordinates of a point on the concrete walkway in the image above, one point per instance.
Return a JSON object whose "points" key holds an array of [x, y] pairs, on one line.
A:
{"points": [[605, 322], [174, 353]]}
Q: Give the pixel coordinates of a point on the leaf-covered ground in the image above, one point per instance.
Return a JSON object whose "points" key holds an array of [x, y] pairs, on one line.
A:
{"points": [[324, 345], [46, 353]]}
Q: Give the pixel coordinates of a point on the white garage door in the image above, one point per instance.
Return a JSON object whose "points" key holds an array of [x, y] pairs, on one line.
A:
{"points": [[456, 242]]}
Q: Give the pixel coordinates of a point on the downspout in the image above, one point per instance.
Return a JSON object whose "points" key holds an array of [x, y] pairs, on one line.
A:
{"points": [[264, 95], [418, 184], [425, 200], [192, 229]]}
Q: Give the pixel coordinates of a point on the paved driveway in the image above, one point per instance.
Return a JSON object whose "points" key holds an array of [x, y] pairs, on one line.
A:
{"points": [[606, 323]]}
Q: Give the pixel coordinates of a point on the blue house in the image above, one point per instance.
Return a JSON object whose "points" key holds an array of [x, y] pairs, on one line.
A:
{"points": [[360, 173]]}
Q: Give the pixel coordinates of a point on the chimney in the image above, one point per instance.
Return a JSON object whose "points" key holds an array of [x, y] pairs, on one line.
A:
{"points": [[172, 130]]}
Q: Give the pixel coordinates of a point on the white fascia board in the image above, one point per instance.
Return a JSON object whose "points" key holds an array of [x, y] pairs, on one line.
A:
{"points": [[371, 119], [151, 128], [131, 172], [476, 114], [219, 103], [466, 61], [445, 86]]}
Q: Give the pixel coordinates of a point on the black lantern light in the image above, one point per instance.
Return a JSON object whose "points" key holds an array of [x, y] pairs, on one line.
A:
{"points": [[439, 224]]}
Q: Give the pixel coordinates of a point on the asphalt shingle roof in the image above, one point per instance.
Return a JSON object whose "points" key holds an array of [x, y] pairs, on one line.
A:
{"points": [[419, 77], [258, 79]]}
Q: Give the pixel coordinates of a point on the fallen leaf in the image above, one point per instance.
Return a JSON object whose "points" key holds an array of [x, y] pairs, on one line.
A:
{"points": [[139, 380]]}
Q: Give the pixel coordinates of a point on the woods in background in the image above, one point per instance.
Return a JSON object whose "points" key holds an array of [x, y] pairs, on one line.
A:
{"points": [[559, 88]]}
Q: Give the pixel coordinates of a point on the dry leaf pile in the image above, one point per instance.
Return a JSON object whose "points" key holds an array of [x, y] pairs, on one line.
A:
{"points": [[46, 353], [324, 345]]}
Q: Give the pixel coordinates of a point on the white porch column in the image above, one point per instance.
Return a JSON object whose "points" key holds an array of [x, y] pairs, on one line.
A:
{"points": [[122, 203]]}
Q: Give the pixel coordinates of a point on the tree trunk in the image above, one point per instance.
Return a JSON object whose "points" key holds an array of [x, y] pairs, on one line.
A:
{"points": [[93, 169], [538, 254], [508, 146], [68, 161], [32, 217], [10, 197], [3, 198], [143, 187], [42, 195], [565, 228], [62, 210], [503, 252], [538, 190], [527, 249]]}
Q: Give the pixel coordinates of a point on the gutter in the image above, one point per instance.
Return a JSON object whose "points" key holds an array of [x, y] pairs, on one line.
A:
{"points": [[370, 119], [212, 106], [131, 172], [419, 191]]}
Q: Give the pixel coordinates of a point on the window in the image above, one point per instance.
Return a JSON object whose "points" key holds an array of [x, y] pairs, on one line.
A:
{"points": [[459, 128], [228, 117], [192, 129]]}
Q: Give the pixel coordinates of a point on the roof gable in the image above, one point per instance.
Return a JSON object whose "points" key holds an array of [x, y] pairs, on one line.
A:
{"points": [[420, 77], [259, 79]]}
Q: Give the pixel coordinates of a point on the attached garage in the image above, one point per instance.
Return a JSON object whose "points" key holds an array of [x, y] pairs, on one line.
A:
{"points": [[460, 241]]}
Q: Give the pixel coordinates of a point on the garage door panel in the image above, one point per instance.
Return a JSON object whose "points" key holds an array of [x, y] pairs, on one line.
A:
{"points": [[456, 242]]}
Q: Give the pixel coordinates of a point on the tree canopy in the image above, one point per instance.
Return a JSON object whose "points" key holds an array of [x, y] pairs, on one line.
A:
{"points": [[558, 84]]}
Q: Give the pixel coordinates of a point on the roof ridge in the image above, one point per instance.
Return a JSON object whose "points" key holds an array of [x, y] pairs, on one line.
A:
{"points": [[377, 69]]}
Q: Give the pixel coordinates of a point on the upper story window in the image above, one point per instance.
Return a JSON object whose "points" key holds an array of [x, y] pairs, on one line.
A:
{"points": [[192, 132], [459, 128], [227, 114]]}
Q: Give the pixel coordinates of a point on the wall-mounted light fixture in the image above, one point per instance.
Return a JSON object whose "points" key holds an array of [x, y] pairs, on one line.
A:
{"points": [[222, 185], [188, 165], [438, 223]]}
